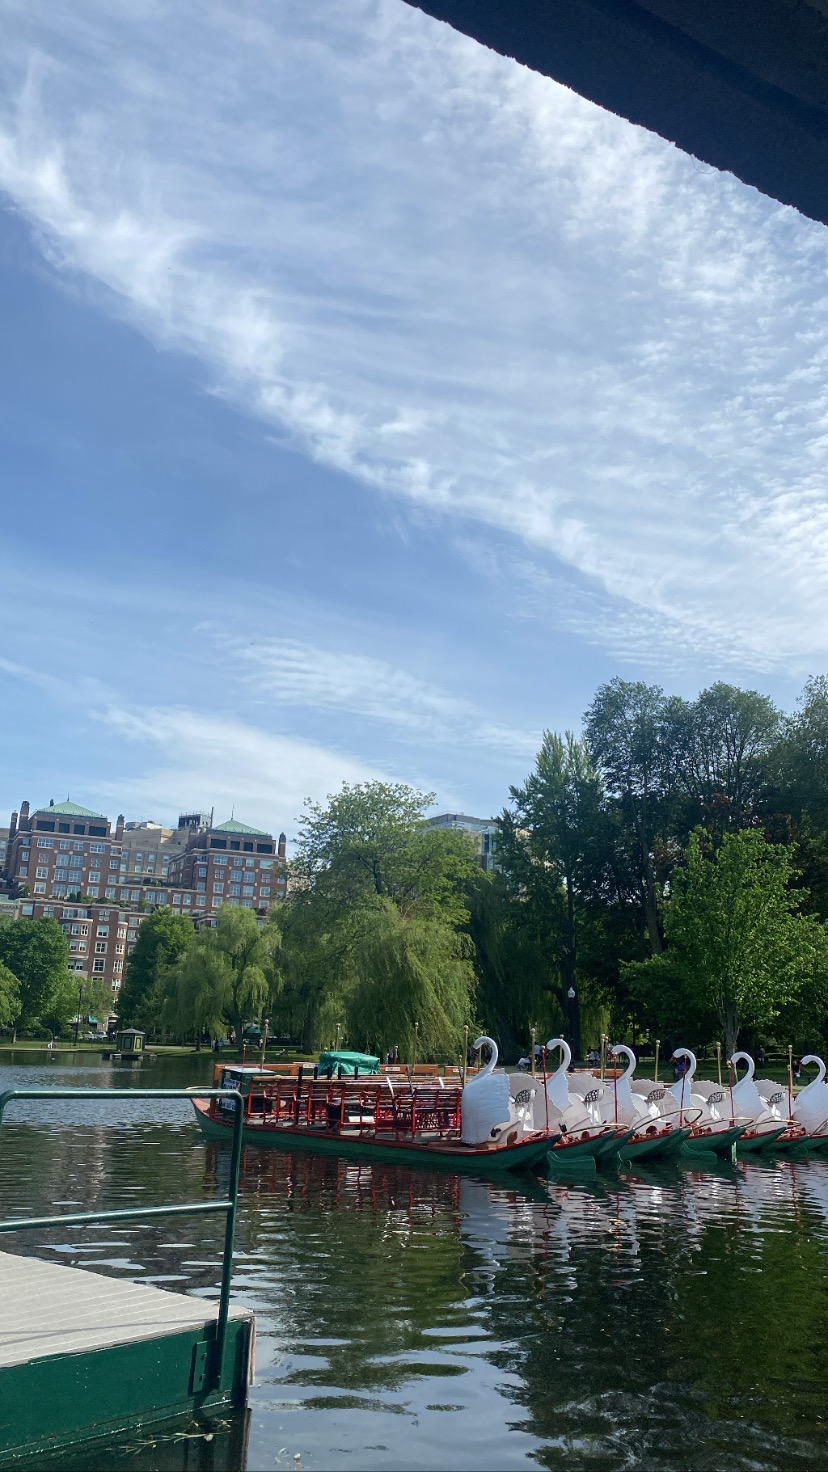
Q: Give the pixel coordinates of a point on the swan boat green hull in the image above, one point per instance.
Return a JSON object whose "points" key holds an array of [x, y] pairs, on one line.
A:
{"points": [[760, 1142], [440, 1154], [721, 1142], [654, 1146]]}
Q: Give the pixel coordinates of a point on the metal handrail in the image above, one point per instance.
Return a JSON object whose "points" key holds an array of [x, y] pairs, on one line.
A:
{"points": [[16, 1224]]}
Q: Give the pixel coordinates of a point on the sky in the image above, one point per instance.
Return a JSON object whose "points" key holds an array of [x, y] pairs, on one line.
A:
{"points": [[366, 400]]}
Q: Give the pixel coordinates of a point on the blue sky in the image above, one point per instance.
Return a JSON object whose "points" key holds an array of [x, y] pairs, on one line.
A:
{"points": [[366, 401]]}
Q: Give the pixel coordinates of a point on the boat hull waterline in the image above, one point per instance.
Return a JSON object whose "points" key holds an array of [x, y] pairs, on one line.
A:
{"points": [[523, 1155]]}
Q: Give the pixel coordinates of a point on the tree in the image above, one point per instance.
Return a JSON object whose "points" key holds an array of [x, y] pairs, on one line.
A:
{"points": [[551, 846], [719, 746], [624, 729], [162, 938], [9, 996], [737, 947], [367, 848], [225, 975], [37, 953], [407, 970]]}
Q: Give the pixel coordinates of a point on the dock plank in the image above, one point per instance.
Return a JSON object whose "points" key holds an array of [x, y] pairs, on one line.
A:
{"points": [[48, 1308]]}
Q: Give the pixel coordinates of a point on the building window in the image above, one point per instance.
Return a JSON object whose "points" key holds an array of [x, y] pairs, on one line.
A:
{"points": [[113, 863], [103, 930], [65, 845], [28, 910], [118, 966], [202, 873], [248, 904], [131, 936], [265, 889], [265, 863], [150, 896], [248, 889], [110, 894], [42, 874], [98, 966], [40, 889], [235, 889], [237, 863], [45, 843], [97, 848], [119, 949], [136, 894], [100, 947], [186, 900], [218, 885]]}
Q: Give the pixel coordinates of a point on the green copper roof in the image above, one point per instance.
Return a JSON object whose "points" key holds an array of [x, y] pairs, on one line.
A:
{"points": [[70, 810], [233, 826]]}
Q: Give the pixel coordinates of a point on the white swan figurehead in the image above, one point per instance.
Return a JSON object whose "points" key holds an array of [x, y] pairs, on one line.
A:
{"points": [[626, 1108], [810, 1107], [557, 1088], [485, 1101], [746, 1096], [683, 1087]]}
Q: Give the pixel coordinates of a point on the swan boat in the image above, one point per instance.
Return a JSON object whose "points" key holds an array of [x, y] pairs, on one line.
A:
{"points": [[767, 1126], [810, 1107], [657, 1129], [477, 1128], [712, 1125], [584, 1131]]}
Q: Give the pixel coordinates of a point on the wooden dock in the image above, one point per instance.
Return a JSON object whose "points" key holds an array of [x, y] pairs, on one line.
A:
{"points": [[83, 1356]]}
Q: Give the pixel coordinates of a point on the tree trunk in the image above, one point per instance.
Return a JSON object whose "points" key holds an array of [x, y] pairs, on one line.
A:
{"points": [[572, 1005], [651, 908]]}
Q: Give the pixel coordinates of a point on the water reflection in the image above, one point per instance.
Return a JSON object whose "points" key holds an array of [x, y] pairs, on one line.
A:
{"points": [[655, 1319]]}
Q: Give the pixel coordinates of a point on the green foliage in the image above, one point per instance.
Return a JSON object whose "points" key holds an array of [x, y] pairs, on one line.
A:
{"points": [[37, 953], [9, 996], [737, 947], [407, 969], [226, 975], [551, 844], [381, 897], [719, 748], [162, 938]]}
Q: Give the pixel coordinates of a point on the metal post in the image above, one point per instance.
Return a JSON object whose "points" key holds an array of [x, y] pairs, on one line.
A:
{"points": [[719, 1062], [534, 1039], [465, 1052], [790, 1080], [655, 1074], [416, 1035], [603, 1055], [77, 1019], [229, 1237], [264, 1039]]}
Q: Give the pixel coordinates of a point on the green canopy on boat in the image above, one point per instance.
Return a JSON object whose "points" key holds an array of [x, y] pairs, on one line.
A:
{"points": [[348, 1062]]}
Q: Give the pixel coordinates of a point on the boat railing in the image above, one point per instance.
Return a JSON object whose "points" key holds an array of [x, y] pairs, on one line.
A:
{"points": [[371, 1105], [143, 1213]]}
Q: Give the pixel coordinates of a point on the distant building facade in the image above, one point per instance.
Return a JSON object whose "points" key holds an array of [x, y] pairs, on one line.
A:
{"points": [[484, 830], [99, 883]]}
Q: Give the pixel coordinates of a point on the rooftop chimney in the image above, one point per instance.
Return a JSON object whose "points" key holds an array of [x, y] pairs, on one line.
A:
{"points": [[119, 826], [282, 844], [25, 820], [12, 827]]}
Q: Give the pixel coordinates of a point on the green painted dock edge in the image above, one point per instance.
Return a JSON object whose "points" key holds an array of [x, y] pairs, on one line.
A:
{"points": [[66, 1399]]}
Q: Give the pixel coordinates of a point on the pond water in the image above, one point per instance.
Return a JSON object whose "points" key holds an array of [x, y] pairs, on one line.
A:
{"points": [[655, 1319]]}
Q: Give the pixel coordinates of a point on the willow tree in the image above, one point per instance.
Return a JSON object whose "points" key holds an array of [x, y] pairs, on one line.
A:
{"points": [[408, 972], [380, 907], [226, 975]]}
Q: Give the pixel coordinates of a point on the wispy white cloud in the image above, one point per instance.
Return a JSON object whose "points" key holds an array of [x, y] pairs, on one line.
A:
{"points": [[458, 282], [303, 674], [177, 757]]}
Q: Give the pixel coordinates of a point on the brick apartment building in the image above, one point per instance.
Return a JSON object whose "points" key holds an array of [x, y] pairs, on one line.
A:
{"points": [[99, 884]]}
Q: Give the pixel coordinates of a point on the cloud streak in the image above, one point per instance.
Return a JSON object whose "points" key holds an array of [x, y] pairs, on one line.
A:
{"points": [[461, 284]]}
